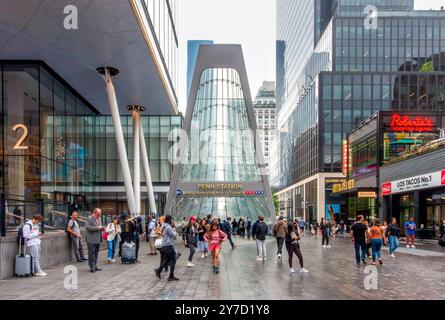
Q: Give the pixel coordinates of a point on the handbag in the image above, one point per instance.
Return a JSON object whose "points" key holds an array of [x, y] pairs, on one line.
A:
{"points": [[105, 235], [158, 243]]}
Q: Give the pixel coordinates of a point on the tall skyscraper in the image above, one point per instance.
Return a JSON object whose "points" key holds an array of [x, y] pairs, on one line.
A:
{"points": [[265, 115], [192, 55], [343, 64]]}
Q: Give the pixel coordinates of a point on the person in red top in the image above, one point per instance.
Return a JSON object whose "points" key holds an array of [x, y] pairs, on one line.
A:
{"points": [[215, 237]]}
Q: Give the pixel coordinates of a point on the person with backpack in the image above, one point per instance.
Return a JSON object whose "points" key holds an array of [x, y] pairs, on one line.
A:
{"points": [[260, 235], [292, 246], [279, 231], [137, 232], [215, 237], [31, 234], [393, 234], [73, 231], [190, 234], [112, 232], [151, 235], [169, 236]]}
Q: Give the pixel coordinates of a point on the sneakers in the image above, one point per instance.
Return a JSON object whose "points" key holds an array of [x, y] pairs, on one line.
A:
{"points": [[215, 269], [190, 264], [113, 260], [173, 279], [109, 260], [328, 246], [202, 256], [264, 259], [407, 245], [369, 257], [158, 274], [40, 274], [292, 270], [279, 255], [380, 261], [413, 247], [303, 270], [259, 259], [392, 255], [324, 246]]}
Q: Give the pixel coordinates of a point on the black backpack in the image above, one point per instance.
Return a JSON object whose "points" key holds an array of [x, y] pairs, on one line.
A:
{"points": [[20, 236]]}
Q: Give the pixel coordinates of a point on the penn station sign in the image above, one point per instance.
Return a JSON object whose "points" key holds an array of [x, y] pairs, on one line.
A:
{"points": [[425, 181], [220, 189]]}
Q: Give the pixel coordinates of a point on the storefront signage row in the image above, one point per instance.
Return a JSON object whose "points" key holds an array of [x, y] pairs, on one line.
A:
{"points": [[425, 181]]}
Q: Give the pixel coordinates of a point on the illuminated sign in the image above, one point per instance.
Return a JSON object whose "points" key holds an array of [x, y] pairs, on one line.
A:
{"points": [[425, 181], [400, 123], [367, 194], [345, 158], [344, 186], [219, 186]]}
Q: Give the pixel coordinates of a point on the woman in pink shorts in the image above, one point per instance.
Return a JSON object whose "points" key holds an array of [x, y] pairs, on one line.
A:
{"points": [[215, 237]]}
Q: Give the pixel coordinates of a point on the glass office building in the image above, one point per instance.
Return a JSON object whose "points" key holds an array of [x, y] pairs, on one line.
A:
{"points": [[56, 147], [192, 55], [344, 72]]}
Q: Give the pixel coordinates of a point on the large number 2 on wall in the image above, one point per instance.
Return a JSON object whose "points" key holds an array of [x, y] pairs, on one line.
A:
{"points": [[18, 145]]}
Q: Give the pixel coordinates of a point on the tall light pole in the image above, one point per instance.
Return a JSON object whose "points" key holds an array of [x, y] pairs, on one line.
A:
{"points": [[107, 74]]}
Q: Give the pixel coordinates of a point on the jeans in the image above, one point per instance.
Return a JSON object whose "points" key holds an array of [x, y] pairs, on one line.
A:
{"points": [[34, 252], [249, 233], [203, 246], [280, 242], [393, 244], [93, 253], [294, 248], [357, 246], [261, 248], [112, 248], [376, 245], [325, 238], [169, 259], [77, 248], [192, 251]]}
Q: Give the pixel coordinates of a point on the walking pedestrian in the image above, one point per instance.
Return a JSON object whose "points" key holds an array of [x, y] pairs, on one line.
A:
{"points": [[442, 234], [393, 235], [377, 236], [227, 228], [163, 256], [260, 235], [249, 228], [410, 230], [279, 231], [325, 227], [76, 238], [203, 247], [137, 232], [151, 235], [94, 230], [113, 231], [234, 227], [168, 237], [368, 240], [190, 239], [302, 224], [242, 228], [292, 246], [32, 234], [215, 237], [358, 235]]}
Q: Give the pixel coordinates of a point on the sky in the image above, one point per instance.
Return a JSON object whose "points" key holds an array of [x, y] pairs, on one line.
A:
{"points": [[250, 23]]}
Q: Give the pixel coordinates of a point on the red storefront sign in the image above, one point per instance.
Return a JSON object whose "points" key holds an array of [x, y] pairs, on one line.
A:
{"points": [[400, 123], [386, 188]]}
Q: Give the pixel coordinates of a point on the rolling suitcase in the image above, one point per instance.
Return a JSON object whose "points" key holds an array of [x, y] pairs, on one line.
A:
{"points": [[128, 254], [23, 262]]}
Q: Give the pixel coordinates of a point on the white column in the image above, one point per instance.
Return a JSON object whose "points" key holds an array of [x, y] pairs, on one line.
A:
{"points": [[136, 163], [112, 101], [151, 195]]}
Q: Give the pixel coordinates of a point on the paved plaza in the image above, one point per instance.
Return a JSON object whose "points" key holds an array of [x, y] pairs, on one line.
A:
{"points": [[413, 274]]}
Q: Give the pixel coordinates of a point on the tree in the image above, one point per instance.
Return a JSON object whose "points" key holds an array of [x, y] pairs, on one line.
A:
{"points": [[427, 67], [276, 203]]}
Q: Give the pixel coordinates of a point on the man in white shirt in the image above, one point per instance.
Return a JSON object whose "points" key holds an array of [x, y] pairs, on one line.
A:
{"points": [[32, 234], [152, 235]]}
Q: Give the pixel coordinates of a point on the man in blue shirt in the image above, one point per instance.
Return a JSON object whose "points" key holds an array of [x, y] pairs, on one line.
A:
{"points": [[410, 230]]}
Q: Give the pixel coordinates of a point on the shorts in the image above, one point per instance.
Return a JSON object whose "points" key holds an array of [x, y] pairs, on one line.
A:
{"points": [[215, 246]]}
